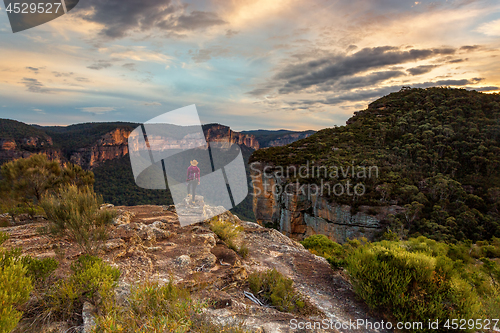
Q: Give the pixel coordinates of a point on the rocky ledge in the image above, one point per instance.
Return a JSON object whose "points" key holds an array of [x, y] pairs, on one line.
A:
{"points": [[148, 243]]}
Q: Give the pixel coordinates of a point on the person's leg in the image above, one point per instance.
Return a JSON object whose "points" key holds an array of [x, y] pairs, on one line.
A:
{"points": [[194, 184], [189, 188]]}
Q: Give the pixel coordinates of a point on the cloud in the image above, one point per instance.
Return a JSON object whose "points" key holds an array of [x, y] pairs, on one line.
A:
{"points": [[35, 86], [230, 33], [469, 48], [351, 48], [101, 64], [59, 74], [362, 81], [40, 111], [197, 20], [461, 82], [82, 79], [490, 29], [483, 89], [130, 66], [421, 69], [120, 17], [151, 104], [456, 61], [203, 55], [98, 109], [360, 95], [135, 53], [37, 39], [34, 69], [365, 95], [311, 73]]}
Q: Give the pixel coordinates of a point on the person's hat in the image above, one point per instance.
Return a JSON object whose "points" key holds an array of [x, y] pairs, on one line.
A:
{"points": [[194, 162]]}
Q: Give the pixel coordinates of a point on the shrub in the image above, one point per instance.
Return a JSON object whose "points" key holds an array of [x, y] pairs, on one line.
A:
{"points": [[76, 211], [413, 286], [276, 290], [15, 288], [243, 250], [228, 232], [152, 307], [325, 247], [39, 269], [92, 280]]}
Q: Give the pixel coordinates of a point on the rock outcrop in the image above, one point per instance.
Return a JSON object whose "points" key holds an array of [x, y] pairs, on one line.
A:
{"points": [[299, 214], [149, 244], [110, 146], [217, 133]]}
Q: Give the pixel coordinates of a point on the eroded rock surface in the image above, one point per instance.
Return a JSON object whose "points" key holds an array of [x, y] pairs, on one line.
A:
{"points": [[299, 215], [150, 244]]}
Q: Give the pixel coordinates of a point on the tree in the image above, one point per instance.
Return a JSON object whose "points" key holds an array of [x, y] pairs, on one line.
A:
{"points": [[76, 212], [28, 179]]}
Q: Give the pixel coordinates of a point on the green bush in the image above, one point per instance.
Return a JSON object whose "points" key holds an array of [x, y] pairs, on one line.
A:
{"points": [[413, 286], [15, 288], [152, 307], [325, 247], [276, 289], [76, 211], [228, 232], [92, 280], [39, 269]]}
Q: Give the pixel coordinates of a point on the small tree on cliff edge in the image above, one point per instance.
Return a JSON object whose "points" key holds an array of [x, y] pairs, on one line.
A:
{"points": [[76, 212], [28, 179]]}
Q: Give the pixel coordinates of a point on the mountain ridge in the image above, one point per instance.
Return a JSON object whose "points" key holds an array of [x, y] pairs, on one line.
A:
{"points": [[438, 152]]}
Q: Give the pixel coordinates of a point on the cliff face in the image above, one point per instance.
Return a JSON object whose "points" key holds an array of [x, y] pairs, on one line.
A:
{"points": [[216, 132], [11, 149], [110, 146], [299, 214]]}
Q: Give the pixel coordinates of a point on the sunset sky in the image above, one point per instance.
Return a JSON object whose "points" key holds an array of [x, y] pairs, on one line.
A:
{"points": [[248, 64]]}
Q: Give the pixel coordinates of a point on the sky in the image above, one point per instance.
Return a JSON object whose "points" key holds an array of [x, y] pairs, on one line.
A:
{"points": [[248, 64]]}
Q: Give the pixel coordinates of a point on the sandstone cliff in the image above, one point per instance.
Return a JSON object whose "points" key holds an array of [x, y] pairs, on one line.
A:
{"points": [[11, 149], [269, 138], [217, 132], [111, 145], [298, 214]]}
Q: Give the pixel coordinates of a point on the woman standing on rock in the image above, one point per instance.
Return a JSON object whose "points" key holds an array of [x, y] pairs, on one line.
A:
{"points": [[193, 179]]}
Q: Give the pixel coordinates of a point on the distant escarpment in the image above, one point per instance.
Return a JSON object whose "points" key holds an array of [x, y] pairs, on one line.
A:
{"points": [[217, 132], [278, 138], [88, 145], [437, 156]]}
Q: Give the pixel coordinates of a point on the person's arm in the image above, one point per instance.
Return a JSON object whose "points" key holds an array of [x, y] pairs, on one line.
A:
{"points": [[198, 174], [187, 174]]}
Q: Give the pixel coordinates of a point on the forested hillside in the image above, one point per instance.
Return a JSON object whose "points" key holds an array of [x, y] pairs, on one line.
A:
{"points": [[438, 154]]}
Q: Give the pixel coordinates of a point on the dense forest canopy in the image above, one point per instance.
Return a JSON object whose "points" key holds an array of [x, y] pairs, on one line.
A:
{"points": [[12, 129], [438, 152]]}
